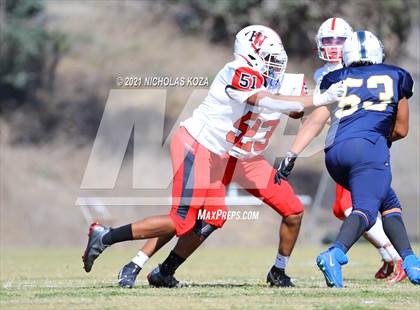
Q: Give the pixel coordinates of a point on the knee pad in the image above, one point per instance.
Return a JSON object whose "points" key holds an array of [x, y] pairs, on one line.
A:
{"points": [[203, 229], [369, 215]]}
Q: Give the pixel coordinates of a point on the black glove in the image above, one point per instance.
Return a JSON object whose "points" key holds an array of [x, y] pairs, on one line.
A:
{"points": [[285, 167]]}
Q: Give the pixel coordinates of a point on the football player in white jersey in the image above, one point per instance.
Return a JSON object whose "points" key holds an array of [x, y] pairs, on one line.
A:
{"points": [[330, 40], [221, 143]]}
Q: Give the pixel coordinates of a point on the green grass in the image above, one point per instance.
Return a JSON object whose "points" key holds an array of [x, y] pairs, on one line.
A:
{"points": [[216, 279]]}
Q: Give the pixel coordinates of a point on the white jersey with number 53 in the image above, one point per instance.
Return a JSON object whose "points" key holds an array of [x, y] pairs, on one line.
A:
{"points": [[224, 122]]}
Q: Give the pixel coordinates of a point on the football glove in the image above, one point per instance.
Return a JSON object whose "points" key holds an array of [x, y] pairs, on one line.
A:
{"points": [[285, 167], [335, 93]]}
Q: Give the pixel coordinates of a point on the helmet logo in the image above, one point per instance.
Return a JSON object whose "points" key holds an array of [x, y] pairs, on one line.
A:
{"points": [[257, 39], [362, 37], [333, 24]]}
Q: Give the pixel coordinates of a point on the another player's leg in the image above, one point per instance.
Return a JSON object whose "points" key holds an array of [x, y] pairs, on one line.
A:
{"points": [[128, 274], [256, 176], [396, 232], [391, 259]]}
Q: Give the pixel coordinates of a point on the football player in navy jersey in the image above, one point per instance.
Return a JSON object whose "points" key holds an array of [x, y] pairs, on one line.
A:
{"points": [[330, 39], [373, 114]]}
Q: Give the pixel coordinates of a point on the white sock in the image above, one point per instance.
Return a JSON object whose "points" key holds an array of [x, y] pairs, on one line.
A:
{"points": [[376, 232], [140, 259], [281, 261], [385, 255], [392, 252]]}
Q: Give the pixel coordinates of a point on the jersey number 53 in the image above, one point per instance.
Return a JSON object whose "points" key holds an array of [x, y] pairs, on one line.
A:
{"points": [[350, 104]]}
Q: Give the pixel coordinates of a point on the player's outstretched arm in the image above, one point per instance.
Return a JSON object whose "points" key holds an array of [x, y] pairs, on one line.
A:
{"points": [[311, 127], [286, 104], [401, 122]]}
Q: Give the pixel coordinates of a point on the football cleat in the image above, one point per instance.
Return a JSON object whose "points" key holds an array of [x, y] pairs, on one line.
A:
{"points": [[329, 262], [399, 273], [156, 279], [277, 277], [128, 275], [385, 271], [411, 267], [94, 246]]}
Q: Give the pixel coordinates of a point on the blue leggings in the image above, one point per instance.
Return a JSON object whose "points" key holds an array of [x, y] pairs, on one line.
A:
{"points": [[363, 167]]}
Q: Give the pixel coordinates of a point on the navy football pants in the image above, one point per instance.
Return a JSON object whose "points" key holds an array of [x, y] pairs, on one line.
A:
{"points": [[363, 167]]}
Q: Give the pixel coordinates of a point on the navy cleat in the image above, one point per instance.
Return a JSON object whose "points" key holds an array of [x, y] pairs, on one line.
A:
{"points": [[411, 267], [156, 279], [95, 246], [128, 275], [329, 262], [277, 277]]}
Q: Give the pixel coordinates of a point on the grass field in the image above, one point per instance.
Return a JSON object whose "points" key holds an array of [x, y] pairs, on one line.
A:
{"points": [[215, 278]]}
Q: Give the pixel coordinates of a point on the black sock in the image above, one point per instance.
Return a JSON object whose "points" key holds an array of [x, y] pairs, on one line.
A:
{"points": [[351, 230], [119, 234], [395, 230], [171, 264]]}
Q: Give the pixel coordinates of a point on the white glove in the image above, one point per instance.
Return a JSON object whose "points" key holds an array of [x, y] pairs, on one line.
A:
{"points": [[334, 94]]}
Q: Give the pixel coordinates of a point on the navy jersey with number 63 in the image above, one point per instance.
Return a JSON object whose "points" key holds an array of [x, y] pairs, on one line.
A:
{"points": [[370, 105]]}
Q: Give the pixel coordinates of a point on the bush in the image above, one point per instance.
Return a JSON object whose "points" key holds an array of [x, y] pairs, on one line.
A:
{"points": [[297, 20], [28, 52]]}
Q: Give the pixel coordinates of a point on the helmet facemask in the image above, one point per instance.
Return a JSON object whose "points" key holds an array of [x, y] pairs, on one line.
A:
{"points": [[331, 48], [274, 67]]}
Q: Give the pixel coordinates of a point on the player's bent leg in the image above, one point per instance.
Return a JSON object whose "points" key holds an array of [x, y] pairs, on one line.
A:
{"points": [[151, 227], [191, 168], [128, 274]]}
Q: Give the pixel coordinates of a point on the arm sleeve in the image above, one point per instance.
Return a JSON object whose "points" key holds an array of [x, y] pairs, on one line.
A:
{"points": [[282, 106], [241, 95], [406, 85]]}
